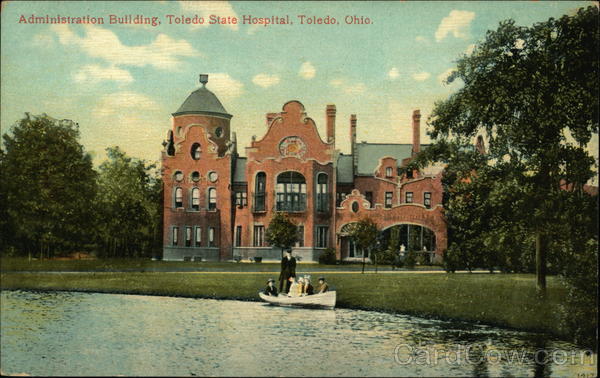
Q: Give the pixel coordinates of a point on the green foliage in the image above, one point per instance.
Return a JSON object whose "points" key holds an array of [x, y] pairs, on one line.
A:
{"points": [[410, 259], [282, 232], [47, 188], [328, 257], [364, 233], [129, 211]]}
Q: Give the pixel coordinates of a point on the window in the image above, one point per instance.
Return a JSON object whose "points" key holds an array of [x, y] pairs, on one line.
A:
{"points": [[196, 199], [409, 174], [259, 192], [219, 132], [211, 237], [198, 236], [212, 199], [322, 236], [388, 199], [241, 199], [178, 197], [355, 207], [339, 197], [188, 236], [409, 197], [259, 236], [291, 192], [195, 176], [369, 197], [322, 193], [175, 235], [238, 236], [354, 251], [195, 151], [300, 242], [178, 176], [427, 200], [388, 172]]}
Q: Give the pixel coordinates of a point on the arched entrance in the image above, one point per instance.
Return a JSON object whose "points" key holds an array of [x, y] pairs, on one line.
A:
{"points": [[405, 237], [349, 250]]}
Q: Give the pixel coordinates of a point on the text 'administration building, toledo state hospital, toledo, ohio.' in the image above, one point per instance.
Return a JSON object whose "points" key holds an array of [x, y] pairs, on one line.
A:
{"points": [[218, 205]]}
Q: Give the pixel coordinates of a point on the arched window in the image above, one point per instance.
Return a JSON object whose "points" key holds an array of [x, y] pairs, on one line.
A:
{"points": [[291, 192], [178, 197], [196, 199], [259, 191], [195, 151], [212, 199], [322, 193]]}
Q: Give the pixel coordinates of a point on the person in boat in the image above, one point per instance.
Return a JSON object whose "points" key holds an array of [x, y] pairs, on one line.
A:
{"points": [[308, 288], [323, 287], [293, 288], [271, 290], [288, 270], [300, 286]]}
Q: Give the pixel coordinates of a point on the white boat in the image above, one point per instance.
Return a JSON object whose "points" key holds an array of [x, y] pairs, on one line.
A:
{"points": [[324, 300]]}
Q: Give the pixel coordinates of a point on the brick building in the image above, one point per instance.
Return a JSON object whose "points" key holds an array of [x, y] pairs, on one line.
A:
{"points": [[217, 204]]}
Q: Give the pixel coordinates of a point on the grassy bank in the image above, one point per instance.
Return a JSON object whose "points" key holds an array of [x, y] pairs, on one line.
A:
{"points": [[19, 264], [507, 300]]}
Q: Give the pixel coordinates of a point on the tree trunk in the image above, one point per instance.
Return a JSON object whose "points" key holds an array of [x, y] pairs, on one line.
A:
{"points": [[540, 261], [363, 264]]}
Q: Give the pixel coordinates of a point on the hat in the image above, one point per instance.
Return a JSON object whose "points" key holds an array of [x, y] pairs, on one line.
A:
{"points": [[270, 280], [321, 278], [289, 250]]}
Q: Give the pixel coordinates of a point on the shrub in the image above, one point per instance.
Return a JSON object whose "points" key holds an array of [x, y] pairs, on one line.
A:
{"points": [[327, 257], [410, 260]]}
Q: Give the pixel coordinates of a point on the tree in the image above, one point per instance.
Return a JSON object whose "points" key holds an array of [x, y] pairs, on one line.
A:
{"points": [[129, 198], [364, 234], [533, 92], [282, 232], [48, 186]]}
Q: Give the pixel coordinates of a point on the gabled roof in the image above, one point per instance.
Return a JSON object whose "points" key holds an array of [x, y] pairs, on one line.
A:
{"points": [[370, 153], [344, 169], [239, 173]]}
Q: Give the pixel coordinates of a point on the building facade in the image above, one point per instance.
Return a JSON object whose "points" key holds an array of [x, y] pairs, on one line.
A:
{"points": [[218, 205]]}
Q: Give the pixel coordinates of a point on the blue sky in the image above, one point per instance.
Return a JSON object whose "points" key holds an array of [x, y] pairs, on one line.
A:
{"points": [[122, 82]]}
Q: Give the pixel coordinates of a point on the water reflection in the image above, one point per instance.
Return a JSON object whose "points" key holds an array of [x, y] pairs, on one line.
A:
{"points": [[105, 334]]}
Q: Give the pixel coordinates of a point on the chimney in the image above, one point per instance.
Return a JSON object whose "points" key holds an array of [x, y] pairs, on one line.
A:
{"points": [[416, 144], [353, 142], [330, 123], [270, 117], [203, 79]]}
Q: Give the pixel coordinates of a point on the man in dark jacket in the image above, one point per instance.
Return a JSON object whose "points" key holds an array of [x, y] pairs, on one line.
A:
{"points": [[271, 290], [288, 269]]}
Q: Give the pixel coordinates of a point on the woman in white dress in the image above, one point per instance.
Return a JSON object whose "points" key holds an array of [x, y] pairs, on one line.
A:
{"points": [[293, 288]]}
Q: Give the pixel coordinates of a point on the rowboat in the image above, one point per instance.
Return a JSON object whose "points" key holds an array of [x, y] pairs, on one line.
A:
{"points": [[324, 300]]}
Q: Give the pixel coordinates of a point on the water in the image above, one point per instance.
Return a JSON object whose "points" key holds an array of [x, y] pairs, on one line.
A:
{"points": [[64, 333]]}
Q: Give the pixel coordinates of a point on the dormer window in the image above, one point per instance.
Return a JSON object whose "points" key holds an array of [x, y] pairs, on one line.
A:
{"points": [[389, 172], [196, 151]]}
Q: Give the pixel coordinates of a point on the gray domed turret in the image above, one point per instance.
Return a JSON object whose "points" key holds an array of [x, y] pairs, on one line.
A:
{"points": [[202, 101]]}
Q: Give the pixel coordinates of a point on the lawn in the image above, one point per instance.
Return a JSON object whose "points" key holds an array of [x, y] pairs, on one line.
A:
{"points": [[507, 300]]}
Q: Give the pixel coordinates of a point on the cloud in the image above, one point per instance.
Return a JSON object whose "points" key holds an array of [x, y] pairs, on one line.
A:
{"points": [[307, 70], [224, 86], [355, 89], [420, 38], [470, 49], [444, 75], [121, 103], [265, 80], [336, 82], [42, 40], [162, 53], [207, 8], [393, 74], [455, 23], [94, 74], [421, 76]]}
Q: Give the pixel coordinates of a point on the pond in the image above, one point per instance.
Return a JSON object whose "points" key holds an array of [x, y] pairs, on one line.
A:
{"points": [[69, 333]]}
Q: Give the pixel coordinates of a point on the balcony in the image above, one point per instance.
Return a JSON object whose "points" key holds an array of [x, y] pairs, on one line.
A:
{"points": [[291, 202]]}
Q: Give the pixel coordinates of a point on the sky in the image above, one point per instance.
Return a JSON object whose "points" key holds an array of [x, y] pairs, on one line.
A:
{"points": [[121, 82]]}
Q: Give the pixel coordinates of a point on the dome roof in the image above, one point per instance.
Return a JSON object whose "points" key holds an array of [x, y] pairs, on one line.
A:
{"points": [[202, 101]]}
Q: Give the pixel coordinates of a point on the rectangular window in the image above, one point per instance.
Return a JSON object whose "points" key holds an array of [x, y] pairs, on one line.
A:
{"points": [[427, 200], [241, 199], [175, 235], [188, 236], [322, 236], [369, 197], [409, 174], [388, 172], [211, 237], [259, 236], [409, 197], [300, 242], [238, 236], [388, 199], [198, 236], [339, 197]]}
